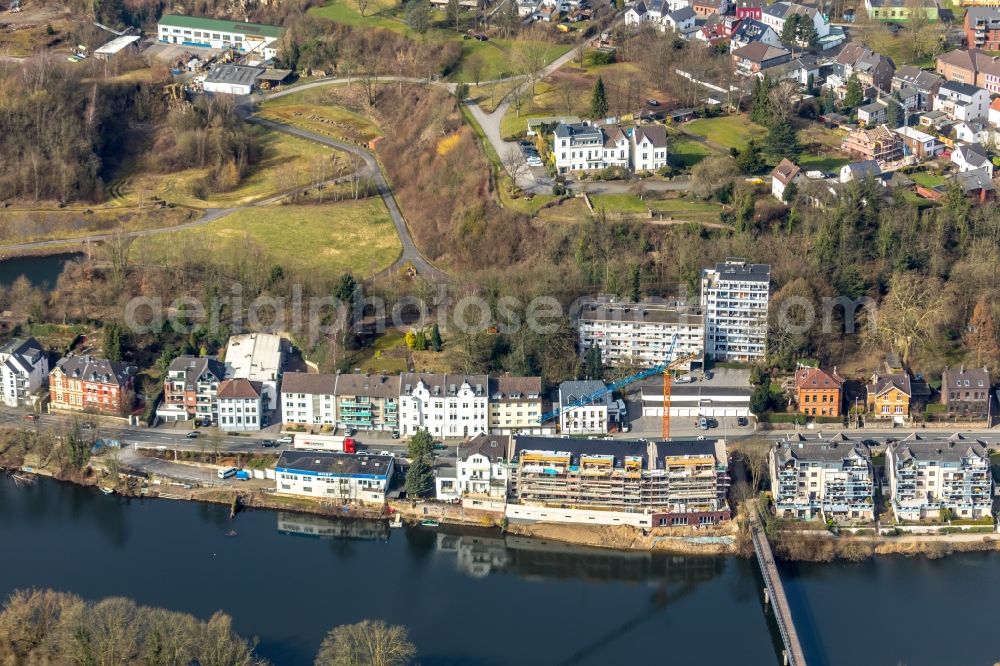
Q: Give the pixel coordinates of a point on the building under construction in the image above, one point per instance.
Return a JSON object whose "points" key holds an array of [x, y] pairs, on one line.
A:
{"points": [[679, 482]]}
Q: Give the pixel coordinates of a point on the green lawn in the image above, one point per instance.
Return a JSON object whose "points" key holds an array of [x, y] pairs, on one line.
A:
{"points": [[925, 178], [685, 152], [821, 163], [728, 131], [320, 240], [632, 204]]}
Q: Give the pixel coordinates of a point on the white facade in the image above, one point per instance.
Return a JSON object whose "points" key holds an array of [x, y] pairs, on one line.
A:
{"points": [[443, 405], [257, 357], [481, 468], [588, 419], [697, 400], [260, 40], [928, 476], [240, 406], [776, 14], [735, 298], [309, 399], [822, 479], [582, 147], [640, 332], [23, 370], [334, 477], [649, 148], [962, 101]]}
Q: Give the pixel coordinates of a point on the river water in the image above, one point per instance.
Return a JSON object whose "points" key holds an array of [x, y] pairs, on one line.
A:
{"points": [[478, 599], [41, 271]]}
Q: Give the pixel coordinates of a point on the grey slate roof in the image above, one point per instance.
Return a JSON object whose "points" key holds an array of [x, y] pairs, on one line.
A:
{"points": [[99, 370], [196, 367], [965, 89], [952, 449], [681, 15], [821, 451], [494, 447], [657, 134], [371, 386], [743, 271], [572, 391], [233, 75], [957, 378], [24, 353]]}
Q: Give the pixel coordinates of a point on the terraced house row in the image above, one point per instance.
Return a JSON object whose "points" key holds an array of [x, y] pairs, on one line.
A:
{"points": [[442, 404]]}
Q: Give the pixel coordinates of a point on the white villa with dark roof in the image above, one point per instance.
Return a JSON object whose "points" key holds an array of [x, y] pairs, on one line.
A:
{"points": [[23, 370], [590, 147]]}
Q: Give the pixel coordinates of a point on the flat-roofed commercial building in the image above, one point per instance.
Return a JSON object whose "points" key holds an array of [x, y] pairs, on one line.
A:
{"points": [[334, 477], [251, 38]]}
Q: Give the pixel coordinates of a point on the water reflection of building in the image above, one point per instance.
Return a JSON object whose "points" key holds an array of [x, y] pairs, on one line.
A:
{"points": [[332, 528], [479, 556]]}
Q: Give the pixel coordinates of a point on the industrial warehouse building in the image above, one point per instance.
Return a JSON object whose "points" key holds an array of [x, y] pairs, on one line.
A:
{"points": [[231, 79], [250, 38], [697, 399]]}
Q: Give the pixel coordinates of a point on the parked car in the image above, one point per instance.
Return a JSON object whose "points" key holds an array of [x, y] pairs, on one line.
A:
{"points": [[387, 453], [192, 434], [684, 379], [742, 421], [351, 432], [395, 434], [268, 443], [287, 439], [703, 423], [652, 102], [438, 446]]}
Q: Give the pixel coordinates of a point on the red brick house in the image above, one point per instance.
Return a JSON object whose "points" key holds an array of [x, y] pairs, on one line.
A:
{"points": [[83, 383]]}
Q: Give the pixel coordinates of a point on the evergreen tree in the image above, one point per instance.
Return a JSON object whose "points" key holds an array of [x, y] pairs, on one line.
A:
{"points": [[760, 110], [783, 141], [791, 191], [749, 160], [854, 95], [113, 346], [344, 292], [790, 31], [806, 35], [894, 111], [435, 338], [420, 475], [593, 364], [599, 101], [635, 283]]}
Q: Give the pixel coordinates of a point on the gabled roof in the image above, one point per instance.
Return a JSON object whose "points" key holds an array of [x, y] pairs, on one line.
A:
{"points": [[572, 391], [508, 389], [656, 134], [828, 451], [965, 378], [681, 15], [196, 367], [760, 52], [368, 385], [864, 169], [309, 383], [972, 154], [96, 370], [221, 25], [239, 389], [959, 88], [882, 383], [817, 378], [938, 449], [612, 135], [918, 78], [786, 171], [975, 179], [494, 447]]}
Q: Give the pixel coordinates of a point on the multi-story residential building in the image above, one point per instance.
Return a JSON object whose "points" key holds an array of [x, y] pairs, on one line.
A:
{"points": [[649, 147], [879, 144], [819, 392], [515, 405], [777, 13], [888, 395], [368, 402], [250, 38], [309, 399], [679, 482], [258, 357], [928, 476], [190, 388], [900, 10], [589, 418], [925, 83], [822, 479], [962, 101], [443, 405], [922, 145], [709, 7], [974, 66], [966, 392], [871, 68], [734, 296], [872, 114], [627, 332], [241, 407], [23, 370], [982, 28], [750, 9], [587, 147], [749, 31], [334, 477], [482, 467], [83, 383]]}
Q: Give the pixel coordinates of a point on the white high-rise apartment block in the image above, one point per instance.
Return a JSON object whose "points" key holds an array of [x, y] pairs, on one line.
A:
{"points": [[734, 296], [640, 332], [443, 405]]}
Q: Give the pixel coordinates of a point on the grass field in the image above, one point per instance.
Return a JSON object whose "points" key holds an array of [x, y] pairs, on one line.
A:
{"points": [[728, 131], [288, 163], [821, 163], [314, 110], [25, 225], [671, 207], [323, 240], [926, 179], [685, 152]]}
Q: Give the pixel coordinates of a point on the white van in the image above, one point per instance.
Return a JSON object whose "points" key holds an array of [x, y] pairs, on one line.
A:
{"points": [[227, 472]]}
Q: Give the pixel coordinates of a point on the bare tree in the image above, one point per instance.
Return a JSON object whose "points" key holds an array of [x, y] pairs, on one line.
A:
{"points": [[754, 453], [475, 64], [367, 643], [911, 311], [530, 58], [119, 248], [362, 6], [513, 164]]}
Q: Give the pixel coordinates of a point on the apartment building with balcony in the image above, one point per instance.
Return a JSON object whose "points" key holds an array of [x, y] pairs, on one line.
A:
{"points": [[982, 28], [443, 405], [24, 367], [962, 101], [678, 482], [368, 402], [190, 389], [822, 478], [629, 332], [934, 476], [734, 297]]}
